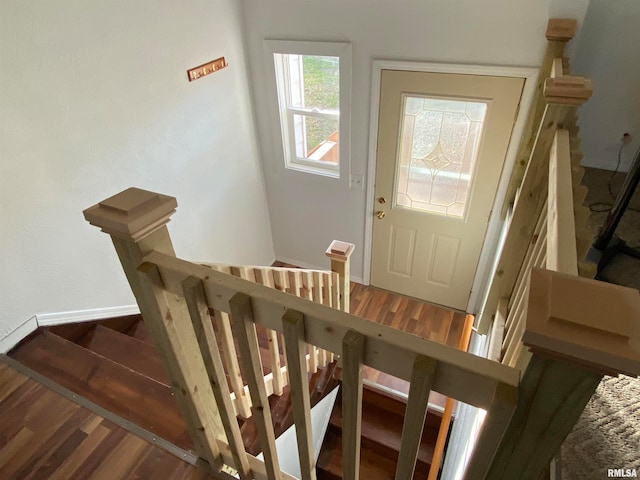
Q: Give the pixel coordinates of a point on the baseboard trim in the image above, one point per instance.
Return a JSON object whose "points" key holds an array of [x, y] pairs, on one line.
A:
{"points": [[300, 264], [78, 316], [14, 337]]}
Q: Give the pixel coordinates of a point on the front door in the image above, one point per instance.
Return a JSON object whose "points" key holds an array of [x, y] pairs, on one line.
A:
{"points": [[442, 140]]}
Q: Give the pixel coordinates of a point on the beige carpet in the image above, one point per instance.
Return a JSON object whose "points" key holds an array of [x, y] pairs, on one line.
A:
{"points": [[607, 434]]}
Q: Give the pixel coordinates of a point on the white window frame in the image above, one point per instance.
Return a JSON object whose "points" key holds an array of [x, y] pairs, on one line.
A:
{"points": [[284, 126]]}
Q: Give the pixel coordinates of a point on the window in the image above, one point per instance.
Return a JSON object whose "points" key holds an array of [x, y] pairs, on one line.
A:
{"points": [[439, 144], [313, 86]]}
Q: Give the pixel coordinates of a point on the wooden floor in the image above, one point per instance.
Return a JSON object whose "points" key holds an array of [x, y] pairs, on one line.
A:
{"points": [[437, 323], [43, 435], [426, 320]]}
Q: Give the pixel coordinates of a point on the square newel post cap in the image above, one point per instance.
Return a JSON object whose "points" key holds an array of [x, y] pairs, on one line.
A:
{"points": [[591, 323], [132, 214], [561, 29], [340, 251]]}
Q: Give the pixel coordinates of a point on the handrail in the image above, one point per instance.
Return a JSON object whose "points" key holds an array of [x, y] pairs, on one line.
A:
{"points": [[388, 350], [176, 296], [561, 95], [137, 219], [426, 364]]}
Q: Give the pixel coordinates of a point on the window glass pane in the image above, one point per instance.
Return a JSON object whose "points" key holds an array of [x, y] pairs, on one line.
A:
{"points": [[314, 81], [437, 153], [316, 138]]}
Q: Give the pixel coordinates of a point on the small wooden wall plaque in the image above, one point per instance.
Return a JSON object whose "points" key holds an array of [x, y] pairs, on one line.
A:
{"points": [[206, 68]]}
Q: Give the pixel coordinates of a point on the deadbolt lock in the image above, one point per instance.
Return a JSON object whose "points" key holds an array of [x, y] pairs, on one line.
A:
{"points": [[382, 200]]}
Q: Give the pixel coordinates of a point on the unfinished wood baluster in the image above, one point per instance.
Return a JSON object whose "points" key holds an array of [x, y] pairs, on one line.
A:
{"points": [[245, 329], [242, 402], [293, 328], [257, 275], [495, 344], [335, 290], [295, 282], [281, 280], [307, 283], [317, 279], [307, 292], [352, 357], [198, 310], [424, 369]]}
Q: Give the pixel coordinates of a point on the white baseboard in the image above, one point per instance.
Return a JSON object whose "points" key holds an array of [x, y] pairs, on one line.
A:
{"points": [[300, 264], [78, 316], [14, 337]]}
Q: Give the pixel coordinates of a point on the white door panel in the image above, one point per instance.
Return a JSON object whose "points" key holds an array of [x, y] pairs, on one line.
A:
{"points": [[442, 140]]}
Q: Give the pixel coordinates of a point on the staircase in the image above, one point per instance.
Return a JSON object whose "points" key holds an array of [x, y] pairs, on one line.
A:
{"points": [[382, 417], [113, 364]]}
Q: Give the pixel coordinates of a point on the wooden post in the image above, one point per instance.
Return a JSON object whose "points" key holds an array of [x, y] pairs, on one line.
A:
{"points": [[562, 96], [196, 303], [245, 330], [559, 32], [293, 327], [353, 346], [339, 253], [578, 330], [136, 220], [424, 368]]}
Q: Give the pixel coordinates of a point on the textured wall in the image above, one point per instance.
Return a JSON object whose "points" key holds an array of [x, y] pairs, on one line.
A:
{"points": [[94, 99]]}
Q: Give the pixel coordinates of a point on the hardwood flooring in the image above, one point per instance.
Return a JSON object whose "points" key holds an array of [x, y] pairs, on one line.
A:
{"points": [[410, 315], [435, 322], [44, 435]]}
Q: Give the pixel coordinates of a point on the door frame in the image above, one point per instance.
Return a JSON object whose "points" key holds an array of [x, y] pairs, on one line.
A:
{"points": [[494, 228]]}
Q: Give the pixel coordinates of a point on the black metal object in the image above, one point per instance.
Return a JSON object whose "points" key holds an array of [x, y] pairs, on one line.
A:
{"points": [[619, 205], [603, 241]]}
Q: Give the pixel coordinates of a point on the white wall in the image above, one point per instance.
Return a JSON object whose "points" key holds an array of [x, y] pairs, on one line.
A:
{"points": [[94, 99], [308, 211], [608, 55]]}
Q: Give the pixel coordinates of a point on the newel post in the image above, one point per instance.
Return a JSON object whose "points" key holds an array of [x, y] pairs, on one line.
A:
{"points": [[340, 253], [578, 330], [136, 221]]}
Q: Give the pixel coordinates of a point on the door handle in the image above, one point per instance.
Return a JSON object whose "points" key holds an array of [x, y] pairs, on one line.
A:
{"points": [[380, 214]]}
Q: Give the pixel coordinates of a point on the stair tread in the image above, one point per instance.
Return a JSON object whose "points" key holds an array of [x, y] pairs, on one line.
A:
{"points": [[126, 350], [386, 401], [133, 396], [382, 432], [372, 465], [320, 383], [140, 331]]}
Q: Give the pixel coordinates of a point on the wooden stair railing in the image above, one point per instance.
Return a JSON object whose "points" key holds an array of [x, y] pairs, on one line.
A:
{"points": [[526, 419], [320, 286], [175, 298], [552, 325], [558, 97]]}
